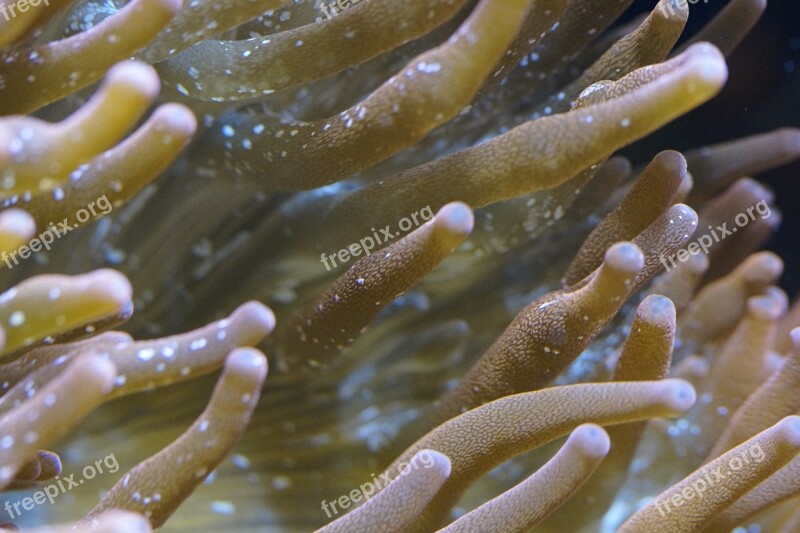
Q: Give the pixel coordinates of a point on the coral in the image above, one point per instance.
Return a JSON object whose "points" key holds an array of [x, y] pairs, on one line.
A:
{"points": [[534, 332]]}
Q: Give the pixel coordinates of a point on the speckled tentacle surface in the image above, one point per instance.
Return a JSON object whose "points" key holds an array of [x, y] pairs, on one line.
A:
{"points": [[645, 356], [545, 337], [371, 284], [191, 25], [530, 502], [198, 451], [305, 155], [620, 120], [485, 437], [652, 194], [262, 65], [413, 489]]}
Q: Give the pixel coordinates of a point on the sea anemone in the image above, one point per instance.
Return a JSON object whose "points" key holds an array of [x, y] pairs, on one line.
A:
{"points": [[482, 317]]}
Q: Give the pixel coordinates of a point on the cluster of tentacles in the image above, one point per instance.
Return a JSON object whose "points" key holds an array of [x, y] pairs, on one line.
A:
{"points": [[471, 341]]}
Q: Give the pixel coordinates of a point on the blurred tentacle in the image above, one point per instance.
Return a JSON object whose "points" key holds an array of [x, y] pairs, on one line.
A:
{"points": [[38, 156], [731, 25], [680, 284], [773, 400], [55, 307], [778, 445], [52, 71], [715, 167], [262, 65], [55, 410], [739, 367], [718, 306]]}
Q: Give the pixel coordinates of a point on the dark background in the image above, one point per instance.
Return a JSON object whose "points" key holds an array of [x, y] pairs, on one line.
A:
{"points": [[762, 94]]}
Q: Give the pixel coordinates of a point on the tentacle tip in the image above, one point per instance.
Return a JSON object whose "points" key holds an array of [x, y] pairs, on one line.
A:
{"points": [[455, 217], [707, 65], [257, 316], [17, 222], [247, 361], [436, 460], [97, 369], [789, 141], [677, 394], [698, 264], [755, 189], [671, 161], [794, 335], [763, 268], [672, 10], [789, 430], [684, 212], [114, 285], [176, 119], [658, 308], [136, 75], [770, 306], [591, 440], [625, 256]]}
